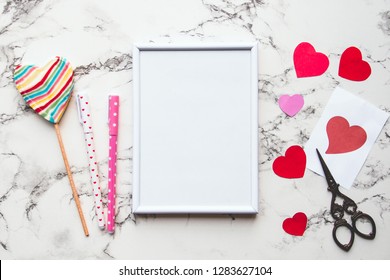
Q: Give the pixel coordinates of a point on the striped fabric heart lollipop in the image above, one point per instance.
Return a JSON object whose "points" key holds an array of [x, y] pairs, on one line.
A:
{"points": [[46, 89]]}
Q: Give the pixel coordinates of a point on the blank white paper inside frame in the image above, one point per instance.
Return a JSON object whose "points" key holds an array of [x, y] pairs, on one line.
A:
{"points": [[195, 129]]}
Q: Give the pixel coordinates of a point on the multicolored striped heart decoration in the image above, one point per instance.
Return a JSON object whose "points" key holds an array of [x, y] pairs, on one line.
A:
{"points": [[46, 89]]}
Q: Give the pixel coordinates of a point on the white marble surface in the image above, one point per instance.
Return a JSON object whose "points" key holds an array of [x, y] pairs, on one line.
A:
{"points": [[38, 218]]}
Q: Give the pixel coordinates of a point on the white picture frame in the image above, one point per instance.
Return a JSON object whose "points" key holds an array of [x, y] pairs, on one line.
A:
{"points": [[195, 145]]}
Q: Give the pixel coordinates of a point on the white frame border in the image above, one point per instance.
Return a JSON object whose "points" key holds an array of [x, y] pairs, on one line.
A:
{"points": [[250, 209]]}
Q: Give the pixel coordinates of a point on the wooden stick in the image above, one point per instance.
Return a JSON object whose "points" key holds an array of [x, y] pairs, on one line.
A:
{"points": [[70, 177]]}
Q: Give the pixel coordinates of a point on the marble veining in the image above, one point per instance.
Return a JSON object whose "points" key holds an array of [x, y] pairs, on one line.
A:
{"points": [[38, 218]]}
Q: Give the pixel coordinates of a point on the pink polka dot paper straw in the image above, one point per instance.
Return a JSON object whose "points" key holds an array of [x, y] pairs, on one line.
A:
{"points": [[85, 120], [113, 114]]}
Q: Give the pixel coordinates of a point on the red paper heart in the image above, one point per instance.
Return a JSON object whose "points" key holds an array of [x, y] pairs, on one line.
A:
{"points": [[308, 62], [292, 165], [295, 225], [342, 137], [352, 66]]}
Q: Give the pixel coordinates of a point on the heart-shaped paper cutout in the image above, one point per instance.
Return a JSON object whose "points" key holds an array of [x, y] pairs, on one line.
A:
{"points": [[295, 225], [292, 165], [342, 137], [46, 89], [291, 105], [352, 66], [308, 62]]}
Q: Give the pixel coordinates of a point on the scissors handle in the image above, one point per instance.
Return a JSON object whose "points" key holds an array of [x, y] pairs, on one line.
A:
{"points": [[343, 223], [336, 210], [353, 229], [363, 216]]}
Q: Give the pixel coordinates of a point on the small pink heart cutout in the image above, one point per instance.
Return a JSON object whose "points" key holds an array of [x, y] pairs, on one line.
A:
{"points": [[291, 105]]}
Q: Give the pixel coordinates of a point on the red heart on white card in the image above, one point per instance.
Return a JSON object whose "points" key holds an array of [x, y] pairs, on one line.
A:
{"points": [[344, 138]]}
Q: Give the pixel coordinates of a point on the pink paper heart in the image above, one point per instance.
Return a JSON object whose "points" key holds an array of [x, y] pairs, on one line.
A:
{"points": [[291, 105], [352, 66], [308, 62]]}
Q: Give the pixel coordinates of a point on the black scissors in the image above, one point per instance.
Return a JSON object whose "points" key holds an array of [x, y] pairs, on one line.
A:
{"points": [[349, 206]]}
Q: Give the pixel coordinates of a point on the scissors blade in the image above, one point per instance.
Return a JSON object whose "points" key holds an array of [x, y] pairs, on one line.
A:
{"points": [[329, 177]]}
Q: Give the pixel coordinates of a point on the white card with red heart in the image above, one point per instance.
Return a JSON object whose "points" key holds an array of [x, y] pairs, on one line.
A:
{"points": [[344, 135]]}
